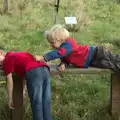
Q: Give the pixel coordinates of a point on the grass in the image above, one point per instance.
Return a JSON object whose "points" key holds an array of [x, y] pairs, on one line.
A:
{"points": [[84, 99], [74, 97]]}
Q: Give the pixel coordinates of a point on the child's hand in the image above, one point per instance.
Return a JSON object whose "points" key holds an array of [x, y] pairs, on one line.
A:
{"points": [[10, 104], [61, 67], [38, 58]]}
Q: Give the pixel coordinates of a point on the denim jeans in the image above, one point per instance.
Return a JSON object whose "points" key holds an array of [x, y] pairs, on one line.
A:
{"points": [[39, 91]]}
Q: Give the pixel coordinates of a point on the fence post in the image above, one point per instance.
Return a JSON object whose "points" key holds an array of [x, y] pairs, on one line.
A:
{"points": [[17, 113], [115, 94]]}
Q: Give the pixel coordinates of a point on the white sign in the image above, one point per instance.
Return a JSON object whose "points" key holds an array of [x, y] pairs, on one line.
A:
{"points": [[70, 20]]}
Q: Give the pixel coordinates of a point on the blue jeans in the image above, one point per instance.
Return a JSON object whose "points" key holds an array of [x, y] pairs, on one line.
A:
{"points": [[39, 91]]}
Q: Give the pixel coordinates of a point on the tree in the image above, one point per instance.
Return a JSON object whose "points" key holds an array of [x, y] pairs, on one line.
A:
{"points": [[5, 6]]}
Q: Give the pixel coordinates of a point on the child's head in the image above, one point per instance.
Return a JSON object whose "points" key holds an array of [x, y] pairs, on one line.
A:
{"points": [[2, 57], [57, 35]]}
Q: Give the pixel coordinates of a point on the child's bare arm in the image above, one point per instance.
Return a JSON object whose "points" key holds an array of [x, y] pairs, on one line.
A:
{"points": [[10, 90], [24, 87]]}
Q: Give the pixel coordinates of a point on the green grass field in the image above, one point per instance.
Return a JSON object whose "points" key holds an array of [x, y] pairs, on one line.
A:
{"points": [[74, 97]]}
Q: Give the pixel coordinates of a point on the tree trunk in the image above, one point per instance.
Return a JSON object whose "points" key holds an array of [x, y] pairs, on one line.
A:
{"points": [[118, 1], [5, 7]]}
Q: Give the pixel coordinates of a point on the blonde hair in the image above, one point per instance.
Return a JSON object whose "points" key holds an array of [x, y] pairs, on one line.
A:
{"points": [[57, 33]]}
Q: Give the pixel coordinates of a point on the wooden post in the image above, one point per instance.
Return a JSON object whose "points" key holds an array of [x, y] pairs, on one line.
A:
{"points": [[56, 5], [115, 94], [17, 113]]}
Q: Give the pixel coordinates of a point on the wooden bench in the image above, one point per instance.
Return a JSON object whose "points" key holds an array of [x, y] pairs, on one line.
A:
{"points": [[114, 101]]}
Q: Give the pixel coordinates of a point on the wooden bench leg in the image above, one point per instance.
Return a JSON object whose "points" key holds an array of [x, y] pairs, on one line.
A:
{"points": [[17, 113], [115, 94]]}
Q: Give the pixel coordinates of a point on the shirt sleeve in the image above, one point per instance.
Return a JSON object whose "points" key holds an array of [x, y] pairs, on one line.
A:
{"points": [[8, 65], [59, 53]]}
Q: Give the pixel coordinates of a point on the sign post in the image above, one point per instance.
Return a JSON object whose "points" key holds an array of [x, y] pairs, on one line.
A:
{"points": [[71, 21]]}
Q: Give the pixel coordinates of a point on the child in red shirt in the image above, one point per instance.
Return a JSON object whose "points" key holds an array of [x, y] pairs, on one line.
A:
{"points": [[66, 49], [36, 74]]}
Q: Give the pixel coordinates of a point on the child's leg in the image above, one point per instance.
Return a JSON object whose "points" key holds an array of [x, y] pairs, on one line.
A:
{"points": [[105, 59], [34, 79], [38, 85], [46, 96]]}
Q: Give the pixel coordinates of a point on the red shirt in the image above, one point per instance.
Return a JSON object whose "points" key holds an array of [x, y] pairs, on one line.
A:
{"points": [[71, 52], [20, 63], [80, 55]]}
